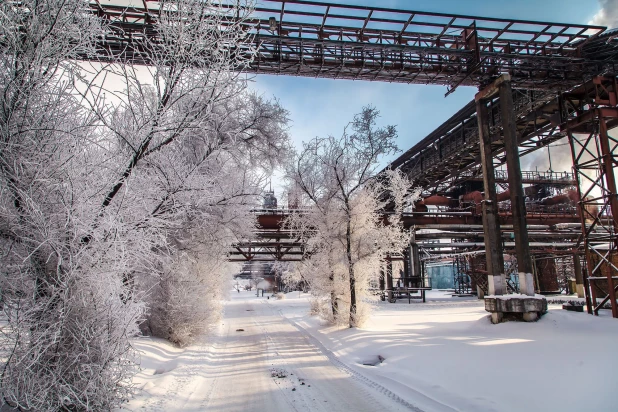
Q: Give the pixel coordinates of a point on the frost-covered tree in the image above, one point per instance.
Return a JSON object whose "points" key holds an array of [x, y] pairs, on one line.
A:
{"points": [[206, 211], [191, 147], [67, 310], [347, 236], [100, 187]]}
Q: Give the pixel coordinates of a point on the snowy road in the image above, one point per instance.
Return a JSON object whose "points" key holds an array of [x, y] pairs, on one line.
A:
{"points": [[436, 358], [258, 362]]}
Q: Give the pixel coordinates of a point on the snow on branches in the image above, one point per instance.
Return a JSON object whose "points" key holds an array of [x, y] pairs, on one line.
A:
{"points": [[120, 190], [346, 234]]}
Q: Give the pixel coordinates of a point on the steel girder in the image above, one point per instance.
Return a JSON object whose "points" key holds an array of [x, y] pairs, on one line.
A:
{"points": [[451, 153], [308, 38]]}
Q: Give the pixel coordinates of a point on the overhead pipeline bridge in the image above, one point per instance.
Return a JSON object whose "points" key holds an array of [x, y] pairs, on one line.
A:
{"points": [[314, 39], [272, 241]]}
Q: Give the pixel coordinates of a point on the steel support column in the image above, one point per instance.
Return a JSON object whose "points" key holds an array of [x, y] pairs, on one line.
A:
{"points": [[579, 280], [389, 278], [406, 268], [415, 266], [382, 283], [491, 225], [518, 206], [595, 156], [610, 197]]}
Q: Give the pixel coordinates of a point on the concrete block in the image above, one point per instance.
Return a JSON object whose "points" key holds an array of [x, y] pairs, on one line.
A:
{"points": [[530, 307], [496, 317], [580, 291], [526, 284]]}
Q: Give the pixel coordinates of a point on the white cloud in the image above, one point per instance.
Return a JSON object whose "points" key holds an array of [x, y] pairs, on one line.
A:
{"points": [[608, 15]]}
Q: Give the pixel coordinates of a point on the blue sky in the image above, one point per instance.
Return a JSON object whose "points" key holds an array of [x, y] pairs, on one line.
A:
{"points": [[319, 107]]}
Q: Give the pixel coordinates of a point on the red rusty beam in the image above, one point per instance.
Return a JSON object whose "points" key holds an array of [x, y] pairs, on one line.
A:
{"points": [[408, 47], [274, 221]]}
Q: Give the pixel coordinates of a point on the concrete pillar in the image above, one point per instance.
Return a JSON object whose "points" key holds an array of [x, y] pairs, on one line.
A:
{"points": [[415, 266], [406, 268], [579, 276], [480, 292], [491, 225], [496, 317], [518, 205]]}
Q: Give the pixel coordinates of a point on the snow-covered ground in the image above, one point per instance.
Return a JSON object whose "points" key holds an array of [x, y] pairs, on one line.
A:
{"points": [[256, 361], [443, 355]]}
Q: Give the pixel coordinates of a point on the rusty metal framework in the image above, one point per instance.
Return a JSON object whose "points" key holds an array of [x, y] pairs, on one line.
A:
{"points": [[309, 38], [271, 240], [373, 43], [585, 114], [267, 251], [527, 177], [451, 153], [595, 159]]}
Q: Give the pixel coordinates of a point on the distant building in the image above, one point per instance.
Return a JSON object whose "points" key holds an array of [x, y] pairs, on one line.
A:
{"points": [[442, 275], [270, 201]]}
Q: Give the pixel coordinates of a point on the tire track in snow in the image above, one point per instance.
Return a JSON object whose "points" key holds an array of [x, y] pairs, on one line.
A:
{"points": [[219, 344], [271, 345], [303, 401], [357, 375]]}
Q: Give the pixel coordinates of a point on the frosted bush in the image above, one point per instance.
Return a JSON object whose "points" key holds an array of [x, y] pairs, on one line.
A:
{"points": [[186, 298]]}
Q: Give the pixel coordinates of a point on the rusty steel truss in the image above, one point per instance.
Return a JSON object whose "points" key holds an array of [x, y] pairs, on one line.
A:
{"points": [[309, 38], [271, 240], [595, 159], [479, 134], [451, 153]]}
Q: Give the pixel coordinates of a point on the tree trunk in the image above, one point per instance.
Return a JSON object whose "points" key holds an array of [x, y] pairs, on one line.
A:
{"points": [[333, 298], [348, 239]]}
